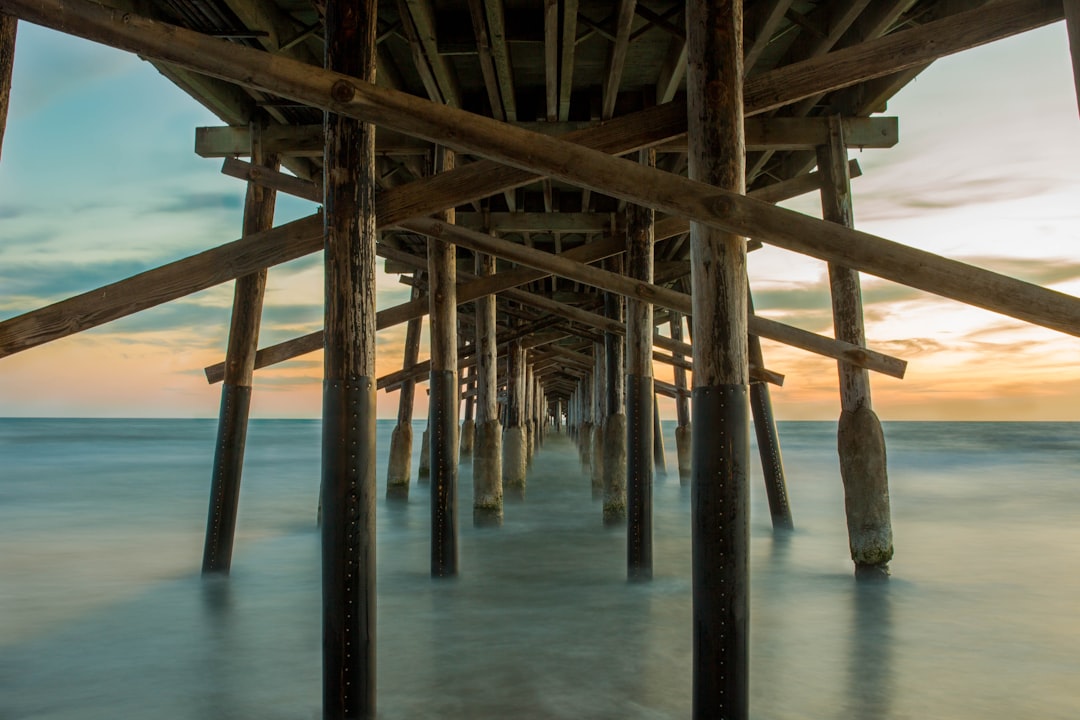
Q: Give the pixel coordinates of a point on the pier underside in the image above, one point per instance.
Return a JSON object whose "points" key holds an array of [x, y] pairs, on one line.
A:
{"points": [[571, 189]]}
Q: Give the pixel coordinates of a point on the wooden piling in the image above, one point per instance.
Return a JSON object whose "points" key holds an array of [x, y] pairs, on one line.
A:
{"points": [[615, 421], [9, 25], [487, 449], [721, 446], [348, 433], [640, 397], [468, 425], [423, 470], [399, 467], [768, 441], [659, 459], [514, 443], [682, 403], [585, 439], [239, 370], [599, 420], [443, 402], [860, 440], [530, 409]]}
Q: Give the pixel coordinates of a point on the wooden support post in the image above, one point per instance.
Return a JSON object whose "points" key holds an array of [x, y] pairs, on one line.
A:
{"points": [[768, 441], [1072, 23], [399, 467], [599, 419], [615, 422], [348, 431], [443, 402], [487, 451], [236, 389], [540, 412], [530, 411], [514, 443], [9, 25], [585, 438], [468, 425], [659, 460], [861, 442], [682, 404], [640, 397], [423, 470], [721, 443]]}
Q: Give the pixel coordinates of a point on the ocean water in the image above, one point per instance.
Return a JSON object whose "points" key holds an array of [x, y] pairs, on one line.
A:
{"points": [[103, 613]]}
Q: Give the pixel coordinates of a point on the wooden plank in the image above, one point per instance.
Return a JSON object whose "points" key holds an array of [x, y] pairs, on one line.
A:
{"points": [[784, 133], [423, 23], [566, 59], [761, 133], [487, 63], [769, 18], [8, 30], [273, 179], [294, 141], [672, 71], [500, 53], [616, 59], [551, 58]]}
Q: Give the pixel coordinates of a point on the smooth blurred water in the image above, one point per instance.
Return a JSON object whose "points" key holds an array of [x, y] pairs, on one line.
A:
{"points": [[103, 613]]}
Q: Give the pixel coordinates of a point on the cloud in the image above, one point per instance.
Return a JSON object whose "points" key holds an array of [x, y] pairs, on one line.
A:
{"points": [[1041, 271], [895, 201], [41, 283], [10, 212], [200, 202]]}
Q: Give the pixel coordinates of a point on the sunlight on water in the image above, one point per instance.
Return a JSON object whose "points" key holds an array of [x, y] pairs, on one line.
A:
{"points": [[103, 615]]}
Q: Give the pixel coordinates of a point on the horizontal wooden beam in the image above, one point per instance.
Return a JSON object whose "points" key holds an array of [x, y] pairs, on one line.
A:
{"points": [[294, 140], [762, 133], [273, 179], [162, 284], [776, 133]]}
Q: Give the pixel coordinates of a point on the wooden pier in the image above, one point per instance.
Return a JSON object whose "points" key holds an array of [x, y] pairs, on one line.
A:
{"points": [[571, 188]]}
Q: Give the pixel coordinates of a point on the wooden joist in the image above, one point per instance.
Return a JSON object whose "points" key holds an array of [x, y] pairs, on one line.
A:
{"points": [[616, 59], [761, 133], [294, 141]]}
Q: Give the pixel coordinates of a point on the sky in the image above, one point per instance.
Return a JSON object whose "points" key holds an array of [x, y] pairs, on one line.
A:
{"points": [[98, 181]]}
